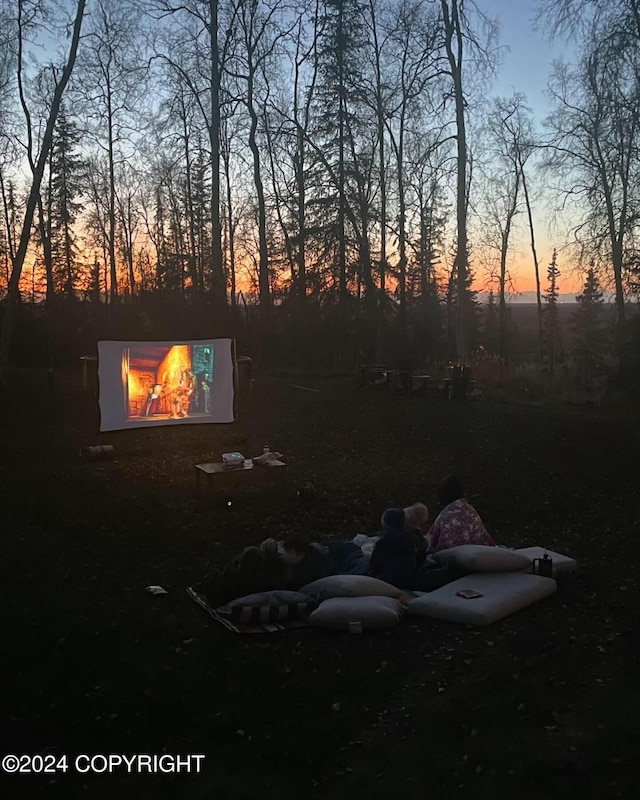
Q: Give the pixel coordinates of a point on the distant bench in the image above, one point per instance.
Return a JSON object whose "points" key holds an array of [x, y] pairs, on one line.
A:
{"points": [[399, 380]]}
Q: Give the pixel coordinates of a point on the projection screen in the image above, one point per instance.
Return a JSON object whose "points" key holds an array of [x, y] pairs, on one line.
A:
{"points": [[145, 384]]}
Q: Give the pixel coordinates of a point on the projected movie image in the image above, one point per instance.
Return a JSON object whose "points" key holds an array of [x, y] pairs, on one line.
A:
{"points": [[165, 383], [174, 382]]}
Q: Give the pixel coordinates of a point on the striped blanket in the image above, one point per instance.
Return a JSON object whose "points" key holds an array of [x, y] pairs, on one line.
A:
{"points": [[246, 627]]}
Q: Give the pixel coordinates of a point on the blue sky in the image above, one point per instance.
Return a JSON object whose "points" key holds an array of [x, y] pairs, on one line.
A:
{"points": [[527, 61], [527, 57]]}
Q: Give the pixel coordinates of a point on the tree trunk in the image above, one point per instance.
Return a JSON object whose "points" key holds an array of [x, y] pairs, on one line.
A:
{"points": [[504, 249], [536, 263], [218, 287], [453, 35], [402, 232], [193, 270], [7, 223], [231, 231], [301, 278], [381, 151], [342, 241], [111, 234]]}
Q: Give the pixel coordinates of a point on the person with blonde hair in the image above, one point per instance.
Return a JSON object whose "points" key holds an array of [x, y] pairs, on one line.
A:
{"points": [[416, 518], [399, 556]]}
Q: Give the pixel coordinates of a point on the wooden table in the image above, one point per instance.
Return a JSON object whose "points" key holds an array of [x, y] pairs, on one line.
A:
{"points": [[217, 468], [420, 382], [371, 374]]}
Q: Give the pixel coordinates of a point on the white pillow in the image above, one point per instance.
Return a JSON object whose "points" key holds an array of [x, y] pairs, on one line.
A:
{"points": [[357, 614], [483, 558], [350, 586], [562, 565]]}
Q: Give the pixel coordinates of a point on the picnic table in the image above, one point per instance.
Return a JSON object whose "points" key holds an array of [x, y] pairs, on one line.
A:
{"points": [[396, 379], [371, 374]]}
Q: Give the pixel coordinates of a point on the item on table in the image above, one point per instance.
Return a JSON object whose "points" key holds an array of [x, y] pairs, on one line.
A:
{"points": [[233, 460]]}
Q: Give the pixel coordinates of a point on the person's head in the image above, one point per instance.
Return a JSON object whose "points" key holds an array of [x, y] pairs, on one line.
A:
{"points": [[297, 544], [250, 560], [269, 547], [416, 517], [296, 548], [393, 520], [449, 490]]}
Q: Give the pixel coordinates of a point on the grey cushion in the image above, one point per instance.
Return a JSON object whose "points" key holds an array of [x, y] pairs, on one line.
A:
{"points": [[357, 614], [350, 586], [503, 593], [482, 558]]}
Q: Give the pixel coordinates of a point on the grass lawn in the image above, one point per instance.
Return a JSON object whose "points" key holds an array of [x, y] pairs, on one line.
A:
{"points": [[544, 704]]}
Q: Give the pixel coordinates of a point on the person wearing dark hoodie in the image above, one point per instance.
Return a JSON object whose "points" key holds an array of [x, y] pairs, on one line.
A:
{"points": [[394, 557]]}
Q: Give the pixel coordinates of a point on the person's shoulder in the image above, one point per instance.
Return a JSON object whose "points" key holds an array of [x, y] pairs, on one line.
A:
{"points": [[468, 507], [450, 510]]}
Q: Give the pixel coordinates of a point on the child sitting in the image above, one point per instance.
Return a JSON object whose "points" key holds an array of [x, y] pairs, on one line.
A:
{"points": [[394, 557], [397, 554], [417, 521]]}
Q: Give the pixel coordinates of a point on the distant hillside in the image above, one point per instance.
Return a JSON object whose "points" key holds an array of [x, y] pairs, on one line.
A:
{"points": [[523, 326], [530, 297]]}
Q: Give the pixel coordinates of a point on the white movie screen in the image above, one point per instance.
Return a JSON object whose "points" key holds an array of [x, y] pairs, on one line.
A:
{"points": [[145, 384]]}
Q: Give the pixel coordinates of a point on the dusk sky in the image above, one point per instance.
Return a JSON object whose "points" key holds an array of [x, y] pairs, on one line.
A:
{"points": [[527, 62], [527, 57]]}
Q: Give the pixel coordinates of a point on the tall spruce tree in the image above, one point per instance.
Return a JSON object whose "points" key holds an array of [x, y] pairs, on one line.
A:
{"points": [[8, 226], [200, 192], [466, 311], [588, 328], [340, 55], [490, 330], [66, 176], [551, 329]]}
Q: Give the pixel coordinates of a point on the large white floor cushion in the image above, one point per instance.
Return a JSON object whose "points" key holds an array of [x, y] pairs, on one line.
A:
{"points": [[561, 564], [503, 593]]}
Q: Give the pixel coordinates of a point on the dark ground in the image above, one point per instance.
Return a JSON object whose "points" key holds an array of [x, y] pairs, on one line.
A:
{"points": [[544, 704]]}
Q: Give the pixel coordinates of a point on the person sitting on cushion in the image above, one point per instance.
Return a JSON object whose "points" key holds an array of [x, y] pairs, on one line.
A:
{"points": [[458, 522], [416, 522], [394, 557], [353, 557]]}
